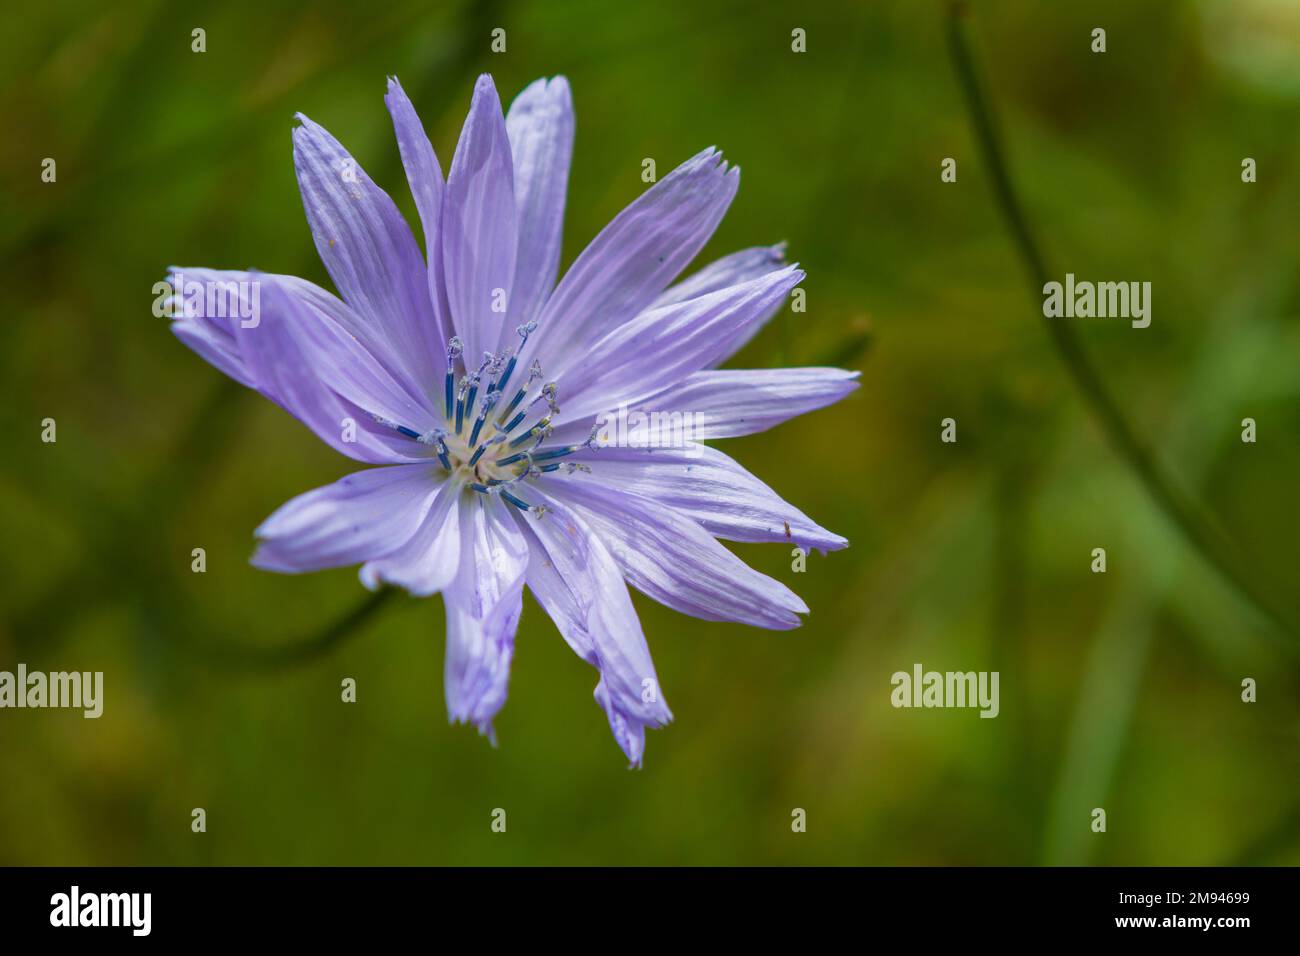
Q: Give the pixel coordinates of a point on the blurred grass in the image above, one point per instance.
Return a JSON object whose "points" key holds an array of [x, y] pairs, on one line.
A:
{"points": [[1121, 689]]}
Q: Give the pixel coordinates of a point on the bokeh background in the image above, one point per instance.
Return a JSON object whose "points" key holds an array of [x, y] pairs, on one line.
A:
{"points": [[1119, 691]]}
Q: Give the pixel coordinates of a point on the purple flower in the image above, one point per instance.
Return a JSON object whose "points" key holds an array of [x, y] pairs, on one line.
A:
{"points": [[522, 423]]}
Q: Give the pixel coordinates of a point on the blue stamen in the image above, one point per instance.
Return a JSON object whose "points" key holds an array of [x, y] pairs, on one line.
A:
{"points": [[501, 383], [454, 349], [523, 331], [488, 359], [556, 452], [518, 418], [489, 403], [517, 502], [536, 432]]}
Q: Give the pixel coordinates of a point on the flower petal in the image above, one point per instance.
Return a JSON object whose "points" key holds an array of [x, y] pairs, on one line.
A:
{"points": [[670, 558], [683, 337], [429, 559], [206, 304], [483, 607], [730, 270], [310, 366], [576, 581], [424, 175], [360, 517], [634, 258], [480, 235], [540, 126], [711, 488], [370, 253], [730, 402]]}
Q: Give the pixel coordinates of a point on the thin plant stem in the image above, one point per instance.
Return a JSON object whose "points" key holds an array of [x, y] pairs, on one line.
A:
{"points": [[1200, 530], [242, 656]]}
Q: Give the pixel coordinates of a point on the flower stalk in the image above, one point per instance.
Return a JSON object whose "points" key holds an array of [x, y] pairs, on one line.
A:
{"points": [[1195, 524]]}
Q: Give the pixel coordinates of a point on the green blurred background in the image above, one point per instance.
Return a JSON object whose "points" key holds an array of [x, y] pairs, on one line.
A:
{"points": [[1119, 691]]}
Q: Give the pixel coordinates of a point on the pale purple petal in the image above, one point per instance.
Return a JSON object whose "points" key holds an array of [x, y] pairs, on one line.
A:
{"points": [[210, 318], [427, 562], [483, 606], [634, 258], [713, 489], [360, 517], [307, 364], [683, 338], [540, 126], [208, 303], [670, 558], [730, 270], [370, 253], [480, 233], [576, 581], [731, 402], [424, 175]]}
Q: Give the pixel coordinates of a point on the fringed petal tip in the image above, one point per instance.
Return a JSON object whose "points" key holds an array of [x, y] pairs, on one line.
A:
{"points": [[629, 729]]}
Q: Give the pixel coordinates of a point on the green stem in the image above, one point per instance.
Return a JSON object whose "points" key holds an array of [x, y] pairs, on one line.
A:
{"points": [[252, 657], [1203, 533]]}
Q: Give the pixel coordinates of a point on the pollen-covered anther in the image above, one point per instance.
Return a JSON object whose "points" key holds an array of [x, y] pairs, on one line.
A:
{"points": [[550, 392]]}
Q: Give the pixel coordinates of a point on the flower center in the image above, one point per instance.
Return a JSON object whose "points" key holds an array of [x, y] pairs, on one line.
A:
{"points": [[486, 443]]}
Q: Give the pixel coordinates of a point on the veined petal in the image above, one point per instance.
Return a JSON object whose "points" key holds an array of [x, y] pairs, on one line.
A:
{"points": [[424, 175], [725, 403], [540, 127], [634, 258], [208, 303], [311, 367], [684, 337], [483, 607], [480, 234], [428, 560], [711, 488], [673, 560], [370, 253], [576, 581], [730, 270], [360, 517]]}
